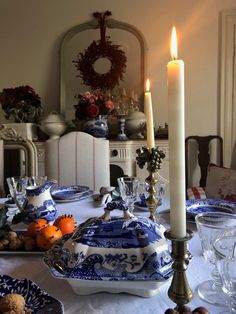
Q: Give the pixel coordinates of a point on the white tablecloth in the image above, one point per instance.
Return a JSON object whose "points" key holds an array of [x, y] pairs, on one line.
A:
{"points": [[32, 267]]}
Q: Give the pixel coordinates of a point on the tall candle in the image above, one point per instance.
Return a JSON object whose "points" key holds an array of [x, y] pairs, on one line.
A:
{"points": [[175, 69], [149, 116]]}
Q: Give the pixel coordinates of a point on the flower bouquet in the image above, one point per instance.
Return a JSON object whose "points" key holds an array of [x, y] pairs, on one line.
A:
{"points": [[92, 111], [92, 105], [20, 103]]}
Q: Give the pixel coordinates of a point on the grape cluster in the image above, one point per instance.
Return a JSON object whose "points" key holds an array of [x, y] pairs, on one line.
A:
{"points": [[153, 158]]}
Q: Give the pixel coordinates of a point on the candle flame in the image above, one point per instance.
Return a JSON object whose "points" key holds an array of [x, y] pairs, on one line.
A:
{"points": [[147, 85], [173, 44]]}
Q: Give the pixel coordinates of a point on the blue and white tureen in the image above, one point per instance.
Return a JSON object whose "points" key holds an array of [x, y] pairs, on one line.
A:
{"points": [[113, 249]]}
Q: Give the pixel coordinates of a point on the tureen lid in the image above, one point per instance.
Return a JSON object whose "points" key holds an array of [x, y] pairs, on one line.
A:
{"points": [[115, 248]]}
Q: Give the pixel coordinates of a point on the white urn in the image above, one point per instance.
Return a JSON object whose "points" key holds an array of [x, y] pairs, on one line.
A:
{"points": [[53, 125], [135, 124]]}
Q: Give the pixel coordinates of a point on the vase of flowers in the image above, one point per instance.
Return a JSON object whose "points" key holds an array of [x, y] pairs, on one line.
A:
{"points": [[20, 104], [92, 111]]}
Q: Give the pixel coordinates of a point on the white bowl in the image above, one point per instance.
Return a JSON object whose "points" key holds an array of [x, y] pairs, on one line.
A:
{"points": [[53, 129]]}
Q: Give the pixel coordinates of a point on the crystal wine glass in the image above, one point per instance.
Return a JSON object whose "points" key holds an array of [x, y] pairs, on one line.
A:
{"points": [[210, 225], [129, 190], [17, 190], [225, 251], [36, 181]]}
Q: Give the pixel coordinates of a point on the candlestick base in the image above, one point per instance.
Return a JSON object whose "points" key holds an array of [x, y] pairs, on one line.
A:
{"points": [[179, 291]]}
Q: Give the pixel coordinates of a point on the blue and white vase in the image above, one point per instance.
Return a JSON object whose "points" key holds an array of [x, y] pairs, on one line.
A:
{"points": [[97, 127]]}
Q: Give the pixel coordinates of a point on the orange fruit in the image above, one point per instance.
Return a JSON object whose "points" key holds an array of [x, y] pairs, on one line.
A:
{"points": [[47, 236], [35, 226], [65, 223]]}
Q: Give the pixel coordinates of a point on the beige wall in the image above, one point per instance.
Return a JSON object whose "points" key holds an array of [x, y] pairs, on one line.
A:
{"points": [[31, 31]]}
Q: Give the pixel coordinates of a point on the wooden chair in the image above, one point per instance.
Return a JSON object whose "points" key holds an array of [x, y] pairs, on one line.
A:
{"points": [[202, 155], [78, 158]]}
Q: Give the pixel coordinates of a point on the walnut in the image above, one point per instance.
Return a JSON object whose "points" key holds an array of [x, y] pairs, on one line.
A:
{"points": [[15, 244], [4, 244], [13, 303], [12, 235]]}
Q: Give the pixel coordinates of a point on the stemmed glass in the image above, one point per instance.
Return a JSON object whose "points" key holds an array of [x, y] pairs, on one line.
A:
{"points": [[128, 190], [160, 189], [17, 187], [17, 190], [210, 225], [36, 181], [225, 251]]}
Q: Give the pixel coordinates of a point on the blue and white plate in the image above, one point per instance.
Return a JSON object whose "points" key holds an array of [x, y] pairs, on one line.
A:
{"points": [[70, 192], [194, 207], [10, 203], [37, 300], [140, 206]]}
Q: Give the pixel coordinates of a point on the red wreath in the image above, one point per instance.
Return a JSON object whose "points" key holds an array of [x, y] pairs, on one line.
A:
{"points": [[102, 48]]}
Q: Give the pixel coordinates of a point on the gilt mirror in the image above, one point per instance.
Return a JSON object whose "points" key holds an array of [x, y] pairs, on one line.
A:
{"points": [[128, 38]]}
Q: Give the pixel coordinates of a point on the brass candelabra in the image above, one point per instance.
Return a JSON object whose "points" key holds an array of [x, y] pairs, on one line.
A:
{"points": [[153, 157], [179, 292]]}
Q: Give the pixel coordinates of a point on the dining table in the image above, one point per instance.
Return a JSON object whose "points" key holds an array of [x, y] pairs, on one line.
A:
{"points": [[32, 266]]}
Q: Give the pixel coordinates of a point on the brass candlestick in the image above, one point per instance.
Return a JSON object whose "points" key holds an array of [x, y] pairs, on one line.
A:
{"points": [[153, 157], [151, 201], [179, 291]]}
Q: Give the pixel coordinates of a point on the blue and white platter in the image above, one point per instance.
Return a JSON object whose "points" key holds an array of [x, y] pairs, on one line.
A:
{"points": [[70, 193], [198, 206], [36, 299], [140, 206]]}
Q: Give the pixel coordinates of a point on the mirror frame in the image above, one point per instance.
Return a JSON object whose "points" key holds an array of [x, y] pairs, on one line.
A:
{"points": [[12, 140], [93, 24]]}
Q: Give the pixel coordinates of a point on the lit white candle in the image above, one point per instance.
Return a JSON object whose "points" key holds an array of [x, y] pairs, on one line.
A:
{"points": [[176, 130], [149, 116]]}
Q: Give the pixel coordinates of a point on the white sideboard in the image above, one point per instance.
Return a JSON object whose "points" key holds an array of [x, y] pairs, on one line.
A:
{"points": [[123, 156]]}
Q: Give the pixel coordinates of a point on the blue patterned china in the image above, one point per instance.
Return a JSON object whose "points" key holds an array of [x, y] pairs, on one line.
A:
{"points": [[37, 300], [139, 205], [197, 206], [97, 127], [108, 248], [40, 203], [70, 192], [10, 203]]}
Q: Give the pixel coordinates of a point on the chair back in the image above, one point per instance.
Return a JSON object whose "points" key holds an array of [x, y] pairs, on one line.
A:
{"points": [[78, 158], [202, 155]]}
